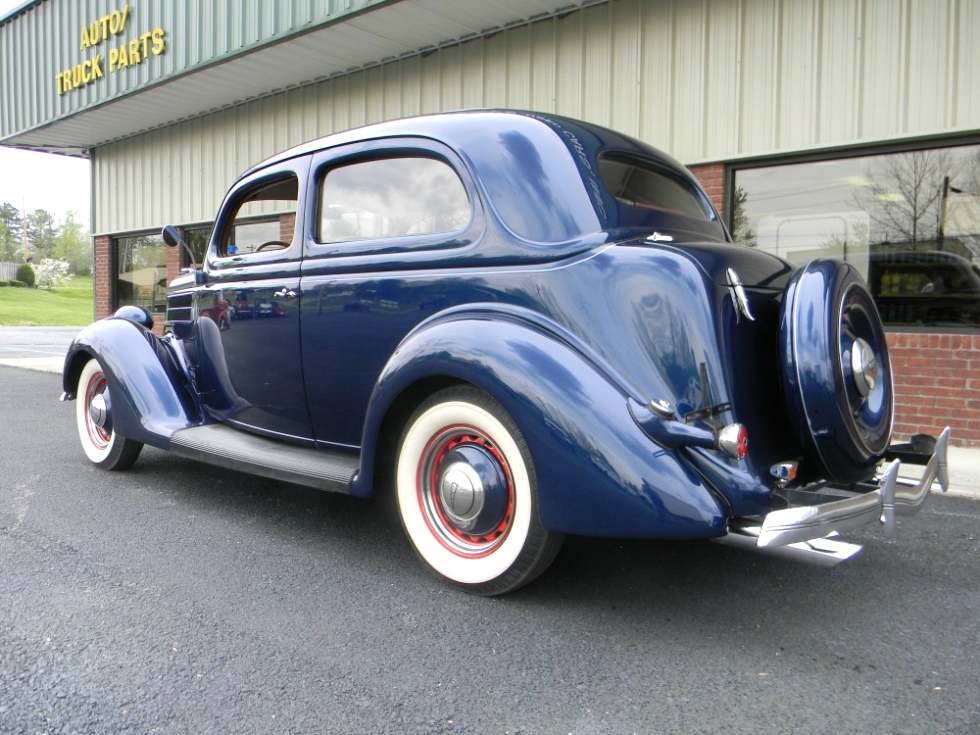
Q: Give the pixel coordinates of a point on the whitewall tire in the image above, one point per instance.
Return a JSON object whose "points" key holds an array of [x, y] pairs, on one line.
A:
{"points": [[93, 416], [467, 494]]}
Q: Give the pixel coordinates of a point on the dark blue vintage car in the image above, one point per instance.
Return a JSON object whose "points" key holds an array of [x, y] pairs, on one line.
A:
{"points": [[523, 326]]}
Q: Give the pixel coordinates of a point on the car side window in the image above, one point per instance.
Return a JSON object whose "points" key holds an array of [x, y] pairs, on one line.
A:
{"points": [[264, 220], [391, 197]]}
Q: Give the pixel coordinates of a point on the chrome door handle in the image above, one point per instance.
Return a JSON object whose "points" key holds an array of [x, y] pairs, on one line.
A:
{"points": [[283, 293]]}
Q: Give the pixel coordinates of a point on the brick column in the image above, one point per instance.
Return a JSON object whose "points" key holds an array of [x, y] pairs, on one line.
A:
{"points": [[173, 262], [287, 227], [712, 178], [102, 276]]}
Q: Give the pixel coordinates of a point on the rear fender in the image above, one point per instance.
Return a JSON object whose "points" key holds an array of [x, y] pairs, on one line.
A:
{"points": [[148, 404], [598, 473]]}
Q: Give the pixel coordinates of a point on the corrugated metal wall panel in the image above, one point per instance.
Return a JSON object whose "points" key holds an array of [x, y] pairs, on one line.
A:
{"points": [[702, 79], [964, 62], [625, 87], [838, 60], [760, 67], [722, 92], [568, 66], [928, 89], [544, 63], [597, 60], [690, 50], [657, 73], [798, 72]]}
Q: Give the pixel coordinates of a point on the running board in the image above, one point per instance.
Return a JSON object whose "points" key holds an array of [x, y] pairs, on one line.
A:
{"points": [[233, 449]]}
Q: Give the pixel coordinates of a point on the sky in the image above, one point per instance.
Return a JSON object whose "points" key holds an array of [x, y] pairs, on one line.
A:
{"points": [[49, 181]]}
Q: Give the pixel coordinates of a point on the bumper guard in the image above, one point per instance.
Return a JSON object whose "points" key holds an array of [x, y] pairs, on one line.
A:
{"points": [[808, 531]]}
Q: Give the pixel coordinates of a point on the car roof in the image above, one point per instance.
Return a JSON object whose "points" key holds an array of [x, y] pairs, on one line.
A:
{"points": [[452, 126], [540, 170]]}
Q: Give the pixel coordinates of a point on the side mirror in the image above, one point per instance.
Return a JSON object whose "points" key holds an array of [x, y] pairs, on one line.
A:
{"points": [[172, 237]]}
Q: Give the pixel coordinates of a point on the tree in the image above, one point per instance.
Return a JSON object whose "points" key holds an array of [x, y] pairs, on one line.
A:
{"points": [[742, 232], [904, 196], [10, 230], [72, 244], [41, 233], [51, 273]]}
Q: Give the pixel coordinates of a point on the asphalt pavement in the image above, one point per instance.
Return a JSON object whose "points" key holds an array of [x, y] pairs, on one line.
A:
{"points": [[181, 598]]}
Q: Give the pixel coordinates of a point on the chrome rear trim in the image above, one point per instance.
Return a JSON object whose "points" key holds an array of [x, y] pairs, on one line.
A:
{"points": [[825, 552], [893, 496]]}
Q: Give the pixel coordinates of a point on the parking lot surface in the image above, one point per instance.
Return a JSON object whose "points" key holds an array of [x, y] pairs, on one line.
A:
{"points": [[177, 598]]}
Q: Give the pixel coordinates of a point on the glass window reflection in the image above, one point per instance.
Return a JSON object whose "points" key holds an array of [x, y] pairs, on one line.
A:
{"points": [[265, 218], [392, 197], [909, 221], [141, 273], [197, 238]]}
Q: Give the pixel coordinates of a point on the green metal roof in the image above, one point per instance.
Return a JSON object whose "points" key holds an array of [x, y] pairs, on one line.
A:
{"points": [[74, 75]]}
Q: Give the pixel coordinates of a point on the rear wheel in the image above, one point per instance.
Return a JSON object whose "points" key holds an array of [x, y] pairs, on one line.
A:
{"points": [[467, 494], [93, 416]]}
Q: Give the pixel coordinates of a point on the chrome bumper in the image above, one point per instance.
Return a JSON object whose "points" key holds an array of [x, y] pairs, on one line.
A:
{"points": [[808, 532]]}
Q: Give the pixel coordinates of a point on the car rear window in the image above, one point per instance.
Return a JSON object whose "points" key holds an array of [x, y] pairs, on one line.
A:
{"points": [[639, 184]]}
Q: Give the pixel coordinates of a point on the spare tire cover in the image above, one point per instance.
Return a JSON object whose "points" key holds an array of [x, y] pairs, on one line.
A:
{"points": [[835, 369]]}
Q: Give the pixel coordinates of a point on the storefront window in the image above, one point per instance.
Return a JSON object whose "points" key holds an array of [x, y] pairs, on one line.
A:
{"points": [[141, 273], [197, 239], [909, 221]]}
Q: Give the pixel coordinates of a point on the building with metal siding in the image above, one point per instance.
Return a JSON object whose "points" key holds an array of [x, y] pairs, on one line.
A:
{"points": [[735, 88]]}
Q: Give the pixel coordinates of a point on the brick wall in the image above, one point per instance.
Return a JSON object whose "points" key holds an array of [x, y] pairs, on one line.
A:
{"points": [[937, 384], [103, 276], [287, 227], [712, 178], [173, 262]]}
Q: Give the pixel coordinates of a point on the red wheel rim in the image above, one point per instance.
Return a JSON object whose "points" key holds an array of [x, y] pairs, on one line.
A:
{"points": [[96, 434], [440, 523]]}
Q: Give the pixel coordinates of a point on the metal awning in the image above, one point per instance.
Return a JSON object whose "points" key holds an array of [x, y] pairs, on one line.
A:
{"points": [[385, 33]]}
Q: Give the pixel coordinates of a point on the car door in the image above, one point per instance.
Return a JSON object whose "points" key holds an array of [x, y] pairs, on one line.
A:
{"points": [[387, 220], [252, 366]]}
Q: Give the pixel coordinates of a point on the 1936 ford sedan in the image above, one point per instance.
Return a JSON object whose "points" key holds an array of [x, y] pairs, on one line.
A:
{"points": [[523, 326]]}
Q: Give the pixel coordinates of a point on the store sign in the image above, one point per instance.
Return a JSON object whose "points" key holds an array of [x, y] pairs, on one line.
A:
{"points": [[123, 50]]}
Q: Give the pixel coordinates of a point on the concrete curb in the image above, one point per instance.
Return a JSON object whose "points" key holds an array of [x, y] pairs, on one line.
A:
{"points": [[41, 364]]}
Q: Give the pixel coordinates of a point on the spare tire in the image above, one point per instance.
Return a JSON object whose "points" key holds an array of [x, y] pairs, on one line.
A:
{"points": [[835, 369]]}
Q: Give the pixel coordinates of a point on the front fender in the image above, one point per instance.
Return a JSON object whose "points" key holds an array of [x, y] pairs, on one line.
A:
{"points": [[598, 473], [146, 401]]}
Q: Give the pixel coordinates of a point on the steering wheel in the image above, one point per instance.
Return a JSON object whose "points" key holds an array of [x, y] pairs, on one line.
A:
{"points": [[272, 245]]}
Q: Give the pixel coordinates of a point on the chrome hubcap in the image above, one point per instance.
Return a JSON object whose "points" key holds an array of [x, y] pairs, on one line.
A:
{"points": [[864, 367], [466, 492], [461, 494], [98, 410]]}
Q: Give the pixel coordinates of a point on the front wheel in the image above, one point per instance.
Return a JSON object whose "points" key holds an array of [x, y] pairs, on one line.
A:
{"points": [[468, 496], [93, 415]]}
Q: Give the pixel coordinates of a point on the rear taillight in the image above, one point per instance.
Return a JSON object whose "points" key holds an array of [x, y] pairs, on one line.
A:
{"points": [[733, 440]]}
